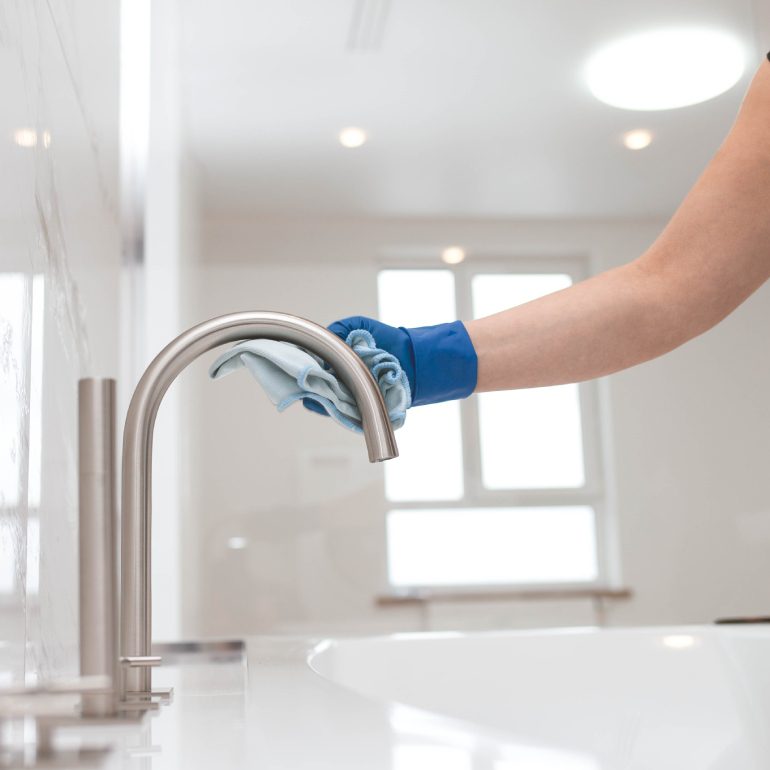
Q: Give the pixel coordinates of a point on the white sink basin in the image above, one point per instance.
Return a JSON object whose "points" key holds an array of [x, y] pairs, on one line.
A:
{"points": [[636, 699]]}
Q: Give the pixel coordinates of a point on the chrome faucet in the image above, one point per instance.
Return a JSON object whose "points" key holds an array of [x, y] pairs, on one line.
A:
{"points": [[135, 580]]}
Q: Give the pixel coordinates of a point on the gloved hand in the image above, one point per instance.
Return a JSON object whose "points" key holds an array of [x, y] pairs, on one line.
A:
{"points": [[439, 361]]}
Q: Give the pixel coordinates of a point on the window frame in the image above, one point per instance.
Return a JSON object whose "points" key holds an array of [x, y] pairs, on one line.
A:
{"points": [[593, 399]]}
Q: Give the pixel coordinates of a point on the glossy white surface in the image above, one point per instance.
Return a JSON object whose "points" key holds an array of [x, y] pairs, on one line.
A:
{"points": [[693, 697], [60, 260], [663, 698]]}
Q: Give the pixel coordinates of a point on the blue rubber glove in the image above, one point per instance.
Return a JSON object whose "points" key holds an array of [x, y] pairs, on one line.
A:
{"points": [[439, 361]]}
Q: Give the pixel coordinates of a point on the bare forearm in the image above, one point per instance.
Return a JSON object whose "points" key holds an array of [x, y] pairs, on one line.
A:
{"points": [[713, 254], [596, 327]]}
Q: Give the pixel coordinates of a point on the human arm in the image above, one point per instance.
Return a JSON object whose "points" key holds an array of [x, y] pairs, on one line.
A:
{"points": [[712, 255]]}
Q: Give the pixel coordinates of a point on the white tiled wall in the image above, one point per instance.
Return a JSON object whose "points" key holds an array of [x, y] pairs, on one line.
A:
{"points": [[59, 223]]}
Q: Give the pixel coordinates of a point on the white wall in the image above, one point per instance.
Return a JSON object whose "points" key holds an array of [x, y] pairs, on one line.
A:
{"points": [[160, 221], [686, 433], [58, 219]]}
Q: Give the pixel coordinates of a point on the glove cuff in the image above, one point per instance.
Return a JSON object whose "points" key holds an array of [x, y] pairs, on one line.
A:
{"points": [[446, 365]]}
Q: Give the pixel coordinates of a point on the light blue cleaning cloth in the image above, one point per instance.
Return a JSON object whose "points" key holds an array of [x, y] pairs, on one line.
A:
{"points": [[289, 373]]}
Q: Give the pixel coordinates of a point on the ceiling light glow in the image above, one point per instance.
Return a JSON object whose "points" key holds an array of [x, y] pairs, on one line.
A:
{"points": [[637, 139], [453, 255], [352, 137], [237, 543], [665, 69], [25, 137]]}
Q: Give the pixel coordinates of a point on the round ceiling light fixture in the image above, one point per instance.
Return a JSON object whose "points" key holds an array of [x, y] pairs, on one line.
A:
{"points": [[665, 69], [637, 139], [352, 137]]}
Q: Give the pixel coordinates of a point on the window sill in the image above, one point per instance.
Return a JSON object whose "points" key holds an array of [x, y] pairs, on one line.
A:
{"points": [[423, 596]]}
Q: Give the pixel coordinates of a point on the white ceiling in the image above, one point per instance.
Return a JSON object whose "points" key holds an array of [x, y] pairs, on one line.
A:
{"points": [[475, 108]]}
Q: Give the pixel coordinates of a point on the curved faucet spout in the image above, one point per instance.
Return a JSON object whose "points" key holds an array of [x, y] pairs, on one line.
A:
{"points": [[135, 632]]}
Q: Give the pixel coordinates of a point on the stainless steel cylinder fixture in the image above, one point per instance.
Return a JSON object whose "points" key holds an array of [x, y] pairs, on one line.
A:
{"points": [[136, 609], [98, 532]]}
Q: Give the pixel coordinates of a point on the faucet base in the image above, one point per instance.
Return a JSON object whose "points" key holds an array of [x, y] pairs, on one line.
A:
{"points": [[146, 701]]}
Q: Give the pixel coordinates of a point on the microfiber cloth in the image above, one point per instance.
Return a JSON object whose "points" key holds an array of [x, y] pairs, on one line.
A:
{"points": [[289, 373]]}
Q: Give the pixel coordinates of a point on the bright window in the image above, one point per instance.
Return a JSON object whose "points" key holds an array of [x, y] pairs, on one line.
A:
{"points": [[487, 546], [13, 304], [498, 489], [531, 439], [21, 329]]}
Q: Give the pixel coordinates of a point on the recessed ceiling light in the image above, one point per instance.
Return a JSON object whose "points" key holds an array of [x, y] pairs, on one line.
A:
{"points": [[453, 255], [25, 137], [237, 543], [637, 139], [665, 69], [352, 137]]}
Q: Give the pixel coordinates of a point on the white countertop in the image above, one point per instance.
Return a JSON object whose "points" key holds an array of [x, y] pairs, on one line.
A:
{"points": [[577, 699]]}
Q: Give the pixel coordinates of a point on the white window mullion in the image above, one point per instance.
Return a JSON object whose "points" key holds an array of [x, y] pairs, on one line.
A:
{"points": [[589, 407]]}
